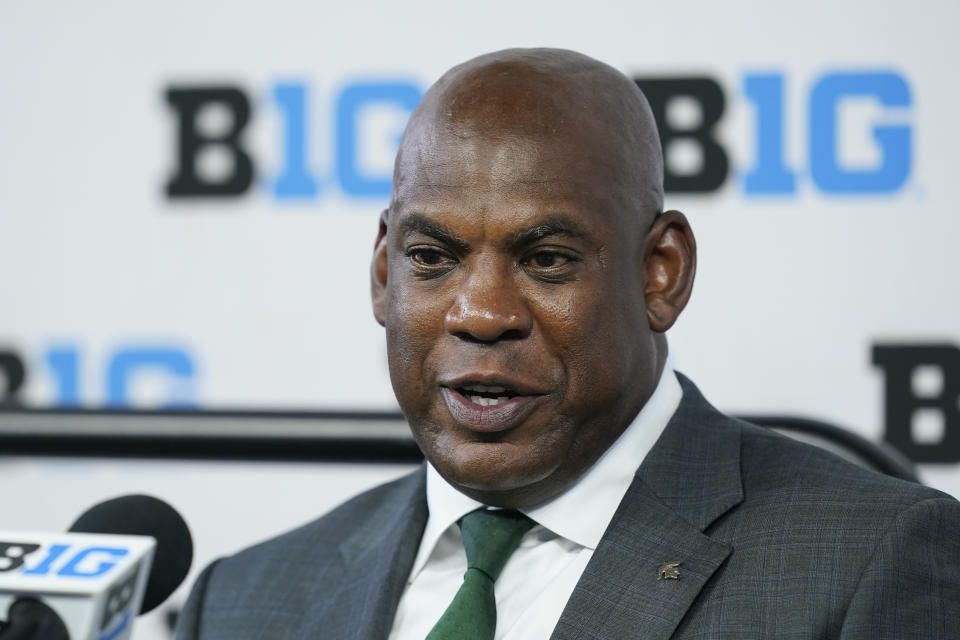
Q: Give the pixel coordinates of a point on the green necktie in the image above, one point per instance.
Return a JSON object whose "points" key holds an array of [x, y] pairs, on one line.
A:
{"points": [[489, 537]]}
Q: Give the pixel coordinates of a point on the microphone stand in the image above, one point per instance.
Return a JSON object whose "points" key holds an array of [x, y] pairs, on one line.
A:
{"points": [[30, 619]]}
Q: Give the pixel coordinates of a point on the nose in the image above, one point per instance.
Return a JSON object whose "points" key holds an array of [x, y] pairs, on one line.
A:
{"points": [[489, 307]]}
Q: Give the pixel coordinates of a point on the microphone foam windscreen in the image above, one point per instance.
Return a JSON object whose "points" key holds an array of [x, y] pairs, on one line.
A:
{"points": [[141, 515]]}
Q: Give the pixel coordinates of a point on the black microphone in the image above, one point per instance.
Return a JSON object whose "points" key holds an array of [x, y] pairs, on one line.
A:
{"points": [[141, 515], [91, 581]]}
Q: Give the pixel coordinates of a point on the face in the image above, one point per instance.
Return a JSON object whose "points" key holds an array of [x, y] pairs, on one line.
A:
{"points": [[513, 289]]}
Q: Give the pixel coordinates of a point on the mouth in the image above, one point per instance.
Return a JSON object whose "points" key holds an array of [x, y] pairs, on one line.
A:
{"points": [[488, 407], [486, 396]]}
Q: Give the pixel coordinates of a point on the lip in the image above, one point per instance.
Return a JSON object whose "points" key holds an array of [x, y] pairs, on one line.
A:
{"points": [[488, 418], [492, 379]]}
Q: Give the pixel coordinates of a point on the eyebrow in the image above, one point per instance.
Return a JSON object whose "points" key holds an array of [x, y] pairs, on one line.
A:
{"points": [[419, 223], [555, 225]]}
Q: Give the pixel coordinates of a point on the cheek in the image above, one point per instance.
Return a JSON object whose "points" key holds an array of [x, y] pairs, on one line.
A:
{"points": [[595, 331], [414, 321]]}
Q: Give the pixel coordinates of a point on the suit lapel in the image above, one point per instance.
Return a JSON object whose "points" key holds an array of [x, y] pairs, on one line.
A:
{"points": [[377, 558], [689, 479]]}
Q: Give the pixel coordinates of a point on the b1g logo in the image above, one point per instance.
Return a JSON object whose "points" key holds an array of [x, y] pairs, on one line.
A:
{"points": [[296, 178], [125, 369], [770, 174], [63, 560], [353, 133], [81, 563]]}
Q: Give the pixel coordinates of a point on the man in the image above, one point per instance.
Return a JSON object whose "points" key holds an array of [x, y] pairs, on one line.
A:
{"points": [[525, 274]]}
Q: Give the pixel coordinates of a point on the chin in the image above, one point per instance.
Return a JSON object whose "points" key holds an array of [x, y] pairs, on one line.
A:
{"points": [[494, 472]]}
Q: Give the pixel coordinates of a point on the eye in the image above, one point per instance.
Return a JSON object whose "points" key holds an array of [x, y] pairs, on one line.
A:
{"points": [[552, 264], [426, 256], [430, 259], [547, 260]]}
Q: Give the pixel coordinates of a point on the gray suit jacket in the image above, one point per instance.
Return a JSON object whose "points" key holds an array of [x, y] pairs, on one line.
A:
{"points": [[776, 539]]}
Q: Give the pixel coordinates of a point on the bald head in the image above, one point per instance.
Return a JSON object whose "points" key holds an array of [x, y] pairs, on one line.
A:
{"points": [[543, 95], [524, 249]]}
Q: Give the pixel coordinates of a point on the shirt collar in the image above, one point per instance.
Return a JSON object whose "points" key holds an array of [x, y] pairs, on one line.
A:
{"points": [[583, 511]]}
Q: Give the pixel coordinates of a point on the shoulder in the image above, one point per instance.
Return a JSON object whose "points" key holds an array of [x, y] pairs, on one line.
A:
{"points": [[852, 549], [280, 577], [818, 505], [321, 537], [778, 487], [776, 468]]}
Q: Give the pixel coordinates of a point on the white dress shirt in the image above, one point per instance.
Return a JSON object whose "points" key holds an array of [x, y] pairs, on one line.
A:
{"points": [[539, 577]]}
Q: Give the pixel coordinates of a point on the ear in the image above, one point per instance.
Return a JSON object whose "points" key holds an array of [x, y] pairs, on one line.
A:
{"points": [[670, 260], [378, 271]]}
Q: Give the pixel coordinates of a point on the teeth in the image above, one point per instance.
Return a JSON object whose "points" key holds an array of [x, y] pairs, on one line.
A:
{"points": [[485, 389], [483, 401]]}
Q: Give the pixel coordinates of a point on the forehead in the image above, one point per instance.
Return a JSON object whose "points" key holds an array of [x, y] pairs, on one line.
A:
{"points": [[448, 169]]}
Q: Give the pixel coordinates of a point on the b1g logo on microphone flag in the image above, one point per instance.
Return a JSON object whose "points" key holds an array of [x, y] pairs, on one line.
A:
{"points": [[94, 582], [78, 562]]}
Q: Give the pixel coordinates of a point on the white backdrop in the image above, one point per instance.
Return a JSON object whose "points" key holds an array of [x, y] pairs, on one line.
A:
{"points": [[116, 293]]}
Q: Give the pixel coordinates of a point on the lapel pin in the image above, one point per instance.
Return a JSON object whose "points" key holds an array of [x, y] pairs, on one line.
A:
{"points": [[668, 571]]}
